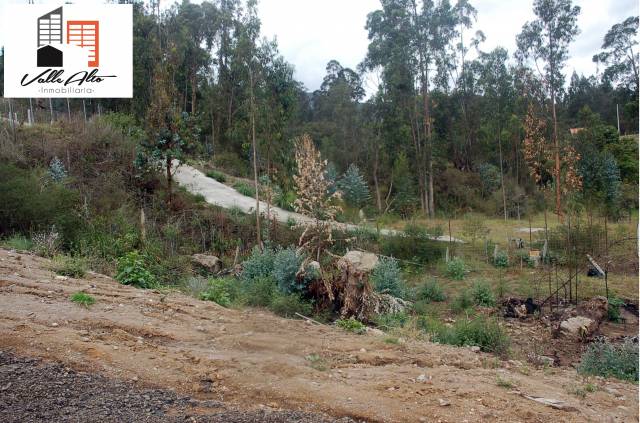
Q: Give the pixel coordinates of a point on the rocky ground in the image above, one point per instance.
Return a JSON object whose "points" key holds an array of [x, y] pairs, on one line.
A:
{"points": [[33, 391], [142, 355]]}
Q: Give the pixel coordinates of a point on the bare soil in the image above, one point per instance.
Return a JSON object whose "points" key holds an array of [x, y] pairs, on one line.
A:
{"points": [[252, 362]]}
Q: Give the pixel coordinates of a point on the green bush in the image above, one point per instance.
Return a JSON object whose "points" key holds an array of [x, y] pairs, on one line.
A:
{"points": [[17, 242], [482, 294], [482, 332], [391, 320], [132, 270], [414, 245], [286, 263], [289, 305], [220, 291], [386, 277], [611, 360], [258, 265], [463, 301], [431, 291], [245, 189], [26, 205], [351, 325], [501, 260], [456, 269], [260, 292], [613, 309], [218, 176], [74, 267], [83, 299], [355, 190]]}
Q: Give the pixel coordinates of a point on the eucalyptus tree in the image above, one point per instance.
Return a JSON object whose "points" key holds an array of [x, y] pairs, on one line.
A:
{"points": [[546, 39], [496, 84], [619, 55]]}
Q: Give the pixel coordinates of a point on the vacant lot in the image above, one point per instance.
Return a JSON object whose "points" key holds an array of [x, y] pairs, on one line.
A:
{"points": [[253, 361]]}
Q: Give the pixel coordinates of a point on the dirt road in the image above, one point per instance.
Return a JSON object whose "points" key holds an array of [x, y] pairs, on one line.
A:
{"points": [[224, 196], [254, 361]]}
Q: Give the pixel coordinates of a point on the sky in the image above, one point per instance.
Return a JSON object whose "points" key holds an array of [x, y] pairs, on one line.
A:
{"points": [[310, 33]]}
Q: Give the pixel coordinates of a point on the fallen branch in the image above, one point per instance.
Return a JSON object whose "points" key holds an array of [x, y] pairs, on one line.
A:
{"points": [[309, 319]]}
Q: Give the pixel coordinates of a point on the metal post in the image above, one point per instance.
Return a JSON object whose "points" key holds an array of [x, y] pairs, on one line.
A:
{"points": [[51, 110], [84, 110], [618, 117], [68, 109]]}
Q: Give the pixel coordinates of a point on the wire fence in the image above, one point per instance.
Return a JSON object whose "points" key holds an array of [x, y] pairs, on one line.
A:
{"points": [[30, 111]]}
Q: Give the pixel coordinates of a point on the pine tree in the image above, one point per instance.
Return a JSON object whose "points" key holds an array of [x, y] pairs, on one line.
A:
{"points": [[354, 188]]}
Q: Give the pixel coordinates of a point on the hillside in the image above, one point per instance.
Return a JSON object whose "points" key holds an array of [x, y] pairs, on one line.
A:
{"points": [[251, 361]]}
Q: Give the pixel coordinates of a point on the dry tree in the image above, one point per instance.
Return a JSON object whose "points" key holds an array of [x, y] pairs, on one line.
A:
{"points": [[314, 200]]}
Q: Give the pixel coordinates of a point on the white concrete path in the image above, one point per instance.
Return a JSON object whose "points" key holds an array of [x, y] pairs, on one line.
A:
{"points": [[224, 196]]}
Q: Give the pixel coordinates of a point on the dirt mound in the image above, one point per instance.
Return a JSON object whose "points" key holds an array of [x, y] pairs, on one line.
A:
{"points": [[252, 360]]}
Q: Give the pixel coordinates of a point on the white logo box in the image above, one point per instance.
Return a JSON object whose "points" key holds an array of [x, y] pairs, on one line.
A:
{"points": [[28, 28]]}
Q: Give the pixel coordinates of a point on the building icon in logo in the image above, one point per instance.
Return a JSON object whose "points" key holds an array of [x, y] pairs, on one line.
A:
{"points": [[81, 33], [50, 34]]}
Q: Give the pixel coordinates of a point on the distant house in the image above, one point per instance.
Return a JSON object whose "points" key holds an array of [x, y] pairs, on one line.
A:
{"points": [[574, 131], [49, 57]]}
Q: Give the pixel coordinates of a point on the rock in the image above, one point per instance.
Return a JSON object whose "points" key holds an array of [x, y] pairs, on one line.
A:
{"points": [[362, 261], [54, 324], [578, 327], [375, 331], [211, 264], [61, 278], [422, 378], [596, 308], [443, 402], [475, 348]]}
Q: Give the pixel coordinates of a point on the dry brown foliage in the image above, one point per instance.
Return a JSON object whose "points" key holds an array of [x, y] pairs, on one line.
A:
{"points": [[313, 199]]}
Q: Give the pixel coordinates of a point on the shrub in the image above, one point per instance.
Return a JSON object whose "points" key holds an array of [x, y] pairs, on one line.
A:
{"points": [[26, 205], [482, 294], [245, 189], [613, 309], [482, 332], [57, 172], [611, 360], [258, 265], [501, 259], [386, 277], [456, 269], [289, 305], [391, 320], [195, 286], [218, 176], [260, 292], [414, 245], [431, 291], [286, 263], [74, 267], [473, 227], [17, 242], [132, 270], [47, 244], [219, 291], [463, 301], [83, 299], [351, 325]]}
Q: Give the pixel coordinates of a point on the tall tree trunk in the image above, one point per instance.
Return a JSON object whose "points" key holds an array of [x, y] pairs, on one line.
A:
{"points": [[556, 145], [376, 160], [169, 180], [193, 92], [504, 196], [255, 159]]}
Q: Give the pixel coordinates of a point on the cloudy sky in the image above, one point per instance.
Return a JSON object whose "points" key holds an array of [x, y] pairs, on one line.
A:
{"points": [[312, 32]]}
